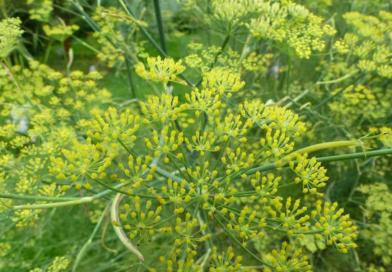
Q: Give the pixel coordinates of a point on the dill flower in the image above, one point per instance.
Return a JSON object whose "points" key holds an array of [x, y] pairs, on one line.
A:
{"points": [[136, 172], [171, 142], [173, 263], [232, 11], [225, 261], [341, 47], [276, 144], [114, 129], [232, 126], [81, 164], [245, 225], [367, 66], [59, 264], [25, 218], [337, 229], [177, 194], [237, 160], [310, 173], [357, 100], [202, 142], [288, 260], [265, 186], [160, 70], [4, 248], [257, 63], [203, 101], [188, 238], [273, 117], [222, 82], [60, 32], [40, 10], [9, 33], [289, 218], [161, 109], [302, 38]]}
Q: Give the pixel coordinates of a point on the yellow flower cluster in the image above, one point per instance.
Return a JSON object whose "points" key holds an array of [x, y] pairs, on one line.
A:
{"points": [[202, 143], [203, 101], [273, 117], [310, 173], [40, 10], [60, 32], [225, 261], [244, 224], [288, 259], [4, 248], [173, 263], [83, 163], [292, 26], [378, 211], [337, 229], [169, 143], [359, 100], [136, 173], [138, 222], [232, 11], [187, 237], [9, 33], [222, 82], [24, 218], [59, 264], [114, 129], [161, 109], [369, 41], [160, 70]]}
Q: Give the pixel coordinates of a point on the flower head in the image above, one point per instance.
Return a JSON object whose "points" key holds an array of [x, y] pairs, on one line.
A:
{"points": [[160, 70], [9, 33]]}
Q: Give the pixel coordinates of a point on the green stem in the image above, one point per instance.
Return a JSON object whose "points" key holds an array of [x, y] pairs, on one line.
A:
{"points": [[65, 203], [160, 25], [240, 244], [376, 153], [48, 51], [90, 240], [38, 198], [54, 205], [382, 152], [85, 44], [132, 88], [336, 80], [288, 77]]}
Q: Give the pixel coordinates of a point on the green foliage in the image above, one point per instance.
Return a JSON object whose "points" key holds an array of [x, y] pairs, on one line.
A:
{"points": [[192, 148]]}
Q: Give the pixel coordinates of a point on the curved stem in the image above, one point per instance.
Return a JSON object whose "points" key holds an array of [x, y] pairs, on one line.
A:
{"points": [[327, 145], [119, 231]]}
